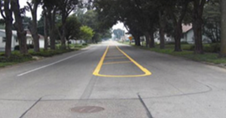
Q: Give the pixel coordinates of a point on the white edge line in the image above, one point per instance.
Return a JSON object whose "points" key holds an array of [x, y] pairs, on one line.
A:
{"points": [[39, 68]]}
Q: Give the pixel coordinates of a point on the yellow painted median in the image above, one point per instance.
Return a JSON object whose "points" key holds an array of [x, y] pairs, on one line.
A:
{"points": [[98, 68]]}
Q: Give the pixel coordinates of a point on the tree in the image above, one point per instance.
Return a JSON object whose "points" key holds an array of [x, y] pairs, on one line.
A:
{"points": [[72, 28], [45, 20], [65, 7], [139, 16], [198, 7], [112, 11], [146, 19], [92, 19], [178, 12], [50, 8], [86, 33], [223, 29], [40, 25], [212, 21], [21, 34], [106, 34], [6, 12], [33, 6], [118, 33]]}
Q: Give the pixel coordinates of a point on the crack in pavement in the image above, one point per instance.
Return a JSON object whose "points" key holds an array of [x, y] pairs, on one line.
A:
{"points": [[145, 106], [30, 108], [89, 88]]}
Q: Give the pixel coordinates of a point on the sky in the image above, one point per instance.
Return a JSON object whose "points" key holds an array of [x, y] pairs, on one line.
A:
{"points": [[24, 3], [119, 25]]}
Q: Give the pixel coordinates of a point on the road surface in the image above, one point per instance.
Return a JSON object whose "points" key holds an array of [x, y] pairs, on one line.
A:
{"points": [[112, 80]]}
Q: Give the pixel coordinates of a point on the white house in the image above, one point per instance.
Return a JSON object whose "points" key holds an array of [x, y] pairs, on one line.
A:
{"points": [[15, 41], [72, 41], [188, 35], [166, 37], [3, 40], [30, 39]]}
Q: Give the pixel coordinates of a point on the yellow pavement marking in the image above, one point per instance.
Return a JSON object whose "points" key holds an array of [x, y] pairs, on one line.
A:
{"points": [[98, 68], [118, 55], [147, 72], [115, 57], [118, 62]]}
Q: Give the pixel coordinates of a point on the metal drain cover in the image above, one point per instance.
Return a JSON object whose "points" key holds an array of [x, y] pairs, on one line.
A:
{"points": [[87, 109]]}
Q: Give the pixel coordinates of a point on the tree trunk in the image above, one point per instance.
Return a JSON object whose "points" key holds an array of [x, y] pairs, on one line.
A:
{"points": [[21, 34], [178, 27], [218, 31], [63, 31], [137, 40], [223, 29], [177, 37], [147, 36], [52, 39], [45, 32], [162, 38], [8, 28], [197, 25], [33, 28], [152, 40], [63, 41], [51, 22], [162, 23]]}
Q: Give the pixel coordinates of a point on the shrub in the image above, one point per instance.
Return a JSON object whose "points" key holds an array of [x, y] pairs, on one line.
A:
{"points": [[17, 47], [84, 44], [3, 59], [212, 48], [173, 43], [49, 53], [29, 46], [16, 57]]}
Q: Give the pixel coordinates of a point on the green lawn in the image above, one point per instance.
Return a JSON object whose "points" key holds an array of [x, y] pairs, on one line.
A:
{"points": [[18, 58], [206, 57], [210, 54], [4, 64]]}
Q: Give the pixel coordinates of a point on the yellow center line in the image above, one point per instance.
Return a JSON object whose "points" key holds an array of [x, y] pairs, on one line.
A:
{"points": [[111, 55], [147, 72], [115, 57], [98, 68], [118, 62]]}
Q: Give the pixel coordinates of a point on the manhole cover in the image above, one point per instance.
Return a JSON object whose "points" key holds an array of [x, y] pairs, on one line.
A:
{"points": [[87, 109]]}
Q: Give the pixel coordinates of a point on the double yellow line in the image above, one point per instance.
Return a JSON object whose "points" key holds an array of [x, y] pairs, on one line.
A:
{"points": [[98, 68]]}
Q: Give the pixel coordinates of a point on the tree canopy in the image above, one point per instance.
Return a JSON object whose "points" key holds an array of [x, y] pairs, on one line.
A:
{"points": [[141, 18]]}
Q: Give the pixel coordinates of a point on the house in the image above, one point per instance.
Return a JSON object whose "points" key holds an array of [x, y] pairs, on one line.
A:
{"points": [[3, 40], [167, 38], [73, 41], [41, 41], [15, 41], [30, 39], [188, 35]]}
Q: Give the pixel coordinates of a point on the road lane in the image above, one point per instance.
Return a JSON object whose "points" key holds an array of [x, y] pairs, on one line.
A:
{"points": [[180, 88], [61, 81], [177, 88], [119, 58]]}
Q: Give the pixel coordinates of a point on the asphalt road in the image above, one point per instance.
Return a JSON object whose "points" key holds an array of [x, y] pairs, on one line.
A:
{"points": [[111, 80]]}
